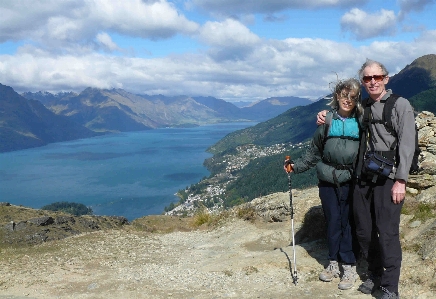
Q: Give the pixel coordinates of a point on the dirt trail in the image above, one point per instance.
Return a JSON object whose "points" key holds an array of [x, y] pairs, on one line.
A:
{"points": [[237, 260]]}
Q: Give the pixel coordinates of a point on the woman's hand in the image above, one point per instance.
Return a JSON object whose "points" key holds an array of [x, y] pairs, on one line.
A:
{"points": [[288, 166]]}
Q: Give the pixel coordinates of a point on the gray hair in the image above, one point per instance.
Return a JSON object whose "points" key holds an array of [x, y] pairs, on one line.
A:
{"points": [[370, 62], [348, 86]]}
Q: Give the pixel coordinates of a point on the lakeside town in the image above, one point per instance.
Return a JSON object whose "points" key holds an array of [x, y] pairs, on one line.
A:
{"points": [[210, 197]]}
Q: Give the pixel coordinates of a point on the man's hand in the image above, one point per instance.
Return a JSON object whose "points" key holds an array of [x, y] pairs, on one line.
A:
{"points": [[320, 117], [398, 191]]}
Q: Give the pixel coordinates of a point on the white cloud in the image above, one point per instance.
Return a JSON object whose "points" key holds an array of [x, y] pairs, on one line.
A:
{"points": [[106, 41], [298, 67], [61, 25], [408, 6], [59, 44], [363, 25], [151, 19], [23, 18], [229, 7], [227, 33], [229, 40]]}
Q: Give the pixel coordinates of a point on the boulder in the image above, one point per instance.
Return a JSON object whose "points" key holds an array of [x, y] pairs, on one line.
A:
{"points": [[42, 221], [427, 195]]}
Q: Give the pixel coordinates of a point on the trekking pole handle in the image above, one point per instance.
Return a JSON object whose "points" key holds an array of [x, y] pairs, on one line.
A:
{"points": [[288, 165]]}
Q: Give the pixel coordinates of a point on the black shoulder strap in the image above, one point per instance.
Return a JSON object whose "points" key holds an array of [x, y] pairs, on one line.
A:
{"points": [[366, 120], [386, 120], [387, 113]]}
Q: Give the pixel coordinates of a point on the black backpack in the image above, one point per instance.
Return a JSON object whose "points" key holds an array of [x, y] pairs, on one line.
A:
{"points": [[387, 122]]}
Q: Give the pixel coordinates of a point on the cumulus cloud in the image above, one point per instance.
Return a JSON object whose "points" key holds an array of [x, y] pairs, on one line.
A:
{"points": [[227, 33], [229, 40], [229, 7], [59, 43], [299, 67], [23, 18], [363, 25], [275, 18], [64, 24], [408, 6], [106, 41]]}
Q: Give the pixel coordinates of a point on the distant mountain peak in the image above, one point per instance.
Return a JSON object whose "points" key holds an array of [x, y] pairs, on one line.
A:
{"points": [[277, 102], [426, 62]]}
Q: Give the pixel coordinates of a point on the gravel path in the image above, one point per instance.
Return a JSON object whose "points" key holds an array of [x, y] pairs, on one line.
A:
{"points": [[237, 260]]}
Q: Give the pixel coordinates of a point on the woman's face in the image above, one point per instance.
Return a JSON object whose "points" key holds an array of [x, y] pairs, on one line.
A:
{"points": [[347, 102]]}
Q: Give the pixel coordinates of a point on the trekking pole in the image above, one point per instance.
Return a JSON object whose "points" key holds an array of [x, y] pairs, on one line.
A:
{"points": [[288, 171]]}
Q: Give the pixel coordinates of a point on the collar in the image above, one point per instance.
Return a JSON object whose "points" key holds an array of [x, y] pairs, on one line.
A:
{"points": [[337, 116]]}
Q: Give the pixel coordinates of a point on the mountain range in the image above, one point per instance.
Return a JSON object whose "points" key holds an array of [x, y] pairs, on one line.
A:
{"points": [[35, 119], [27, 123], [117, 110]]}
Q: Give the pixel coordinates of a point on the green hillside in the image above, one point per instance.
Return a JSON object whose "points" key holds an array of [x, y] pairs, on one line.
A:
{"points": [[264, 176], [294, 126], [424, 101]]}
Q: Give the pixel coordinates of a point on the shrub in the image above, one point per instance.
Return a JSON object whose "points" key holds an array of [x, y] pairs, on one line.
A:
{"points": [[76, 209], [247, 213], [201, 217]]}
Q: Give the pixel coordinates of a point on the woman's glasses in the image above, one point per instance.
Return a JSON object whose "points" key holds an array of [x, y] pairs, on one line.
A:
{"points": [[377, 78]]}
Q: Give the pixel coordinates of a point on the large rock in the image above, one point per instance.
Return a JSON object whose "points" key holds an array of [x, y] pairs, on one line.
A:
{"points": [[421, 181], [428, 249], [427, 195]]}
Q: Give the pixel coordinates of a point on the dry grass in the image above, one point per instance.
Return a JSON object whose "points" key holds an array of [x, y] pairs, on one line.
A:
{"points": [[420, 211], [162, 224], [247, 213]]}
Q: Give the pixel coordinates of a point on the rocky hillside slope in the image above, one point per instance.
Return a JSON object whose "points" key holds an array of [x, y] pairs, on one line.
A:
{"points": [[243, 253]]}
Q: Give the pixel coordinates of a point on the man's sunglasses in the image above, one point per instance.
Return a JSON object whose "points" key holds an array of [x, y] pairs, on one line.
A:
{"points": [[377, 78]]}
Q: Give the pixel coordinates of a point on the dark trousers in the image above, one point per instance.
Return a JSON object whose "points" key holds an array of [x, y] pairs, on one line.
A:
{"points": [[377, 221], [337, 215]]}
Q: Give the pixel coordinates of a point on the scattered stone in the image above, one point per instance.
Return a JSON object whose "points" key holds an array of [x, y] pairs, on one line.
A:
{"points": [[412, 191], [427, 195], [415, 224], [42, 221]]}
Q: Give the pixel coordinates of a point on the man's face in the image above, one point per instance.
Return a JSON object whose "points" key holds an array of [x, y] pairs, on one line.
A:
{"points": [[374, 81]]}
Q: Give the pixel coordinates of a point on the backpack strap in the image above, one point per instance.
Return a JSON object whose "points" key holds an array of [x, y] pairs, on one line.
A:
{"points": [[328, 122], [386, 120], [387, 113], [366, 121]]}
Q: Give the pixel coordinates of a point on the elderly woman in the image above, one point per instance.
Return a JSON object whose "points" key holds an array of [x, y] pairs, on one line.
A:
{"points": [[333, 150]]}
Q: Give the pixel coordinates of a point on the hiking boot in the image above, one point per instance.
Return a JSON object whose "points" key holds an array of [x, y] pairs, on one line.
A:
{"points": [[389, 295], [330, 272], [370, 284], [349, 277]]}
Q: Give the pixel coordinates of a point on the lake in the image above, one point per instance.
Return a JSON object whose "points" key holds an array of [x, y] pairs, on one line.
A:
{"points": [[129, 174]]}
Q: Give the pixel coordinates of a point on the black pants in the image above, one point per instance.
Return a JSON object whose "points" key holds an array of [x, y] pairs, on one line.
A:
{"points": [[377, 221], [337, 215]]}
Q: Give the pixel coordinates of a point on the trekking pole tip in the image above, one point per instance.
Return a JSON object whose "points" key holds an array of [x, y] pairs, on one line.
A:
{"points": [[295, 278]]}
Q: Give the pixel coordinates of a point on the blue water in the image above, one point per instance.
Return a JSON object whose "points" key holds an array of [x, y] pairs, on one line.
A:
{"points": [[128, 174]]}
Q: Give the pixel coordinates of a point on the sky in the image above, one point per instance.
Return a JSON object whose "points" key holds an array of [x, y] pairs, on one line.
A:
{"points": [[236, 50]]}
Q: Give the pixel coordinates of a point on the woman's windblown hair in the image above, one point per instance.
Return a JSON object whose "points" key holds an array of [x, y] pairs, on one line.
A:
{"points": [[344, 88]]}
